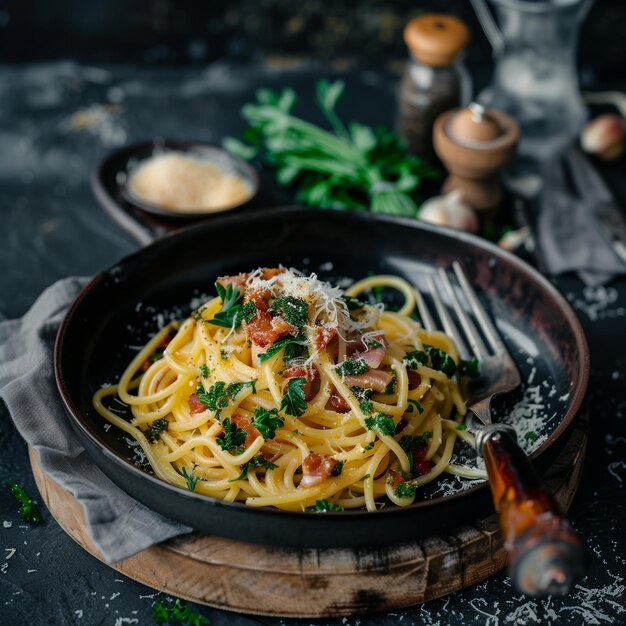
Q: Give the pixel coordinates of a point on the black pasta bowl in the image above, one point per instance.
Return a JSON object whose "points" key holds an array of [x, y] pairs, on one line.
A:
{"points": [[125, 304]]}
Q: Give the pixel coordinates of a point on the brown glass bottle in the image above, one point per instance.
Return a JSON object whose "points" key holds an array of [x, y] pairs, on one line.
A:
{"points": [[434, 80]]}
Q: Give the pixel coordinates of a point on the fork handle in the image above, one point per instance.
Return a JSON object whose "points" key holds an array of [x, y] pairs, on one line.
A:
{"points": [[546, 555]]}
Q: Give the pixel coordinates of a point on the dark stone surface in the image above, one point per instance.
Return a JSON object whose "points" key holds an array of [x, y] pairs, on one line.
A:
{"points": [[57, 121]]}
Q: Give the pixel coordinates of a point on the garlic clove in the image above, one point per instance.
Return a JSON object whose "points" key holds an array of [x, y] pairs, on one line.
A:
{"points": [[605, 137], [449, 210], [514, 240]]}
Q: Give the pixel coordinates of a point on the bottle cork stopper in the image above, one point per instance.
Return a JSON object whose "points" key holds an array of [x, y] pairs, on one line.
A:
{"points": [[436, 39]]}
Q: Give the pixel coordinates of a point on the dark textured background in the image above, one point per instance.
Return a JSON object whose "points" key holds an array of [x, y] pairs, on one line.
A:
{"points": [[142, 68]]}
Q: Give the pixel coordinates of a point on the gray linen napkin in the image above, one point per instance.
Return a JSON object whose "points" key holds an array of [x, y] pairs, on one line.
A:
{"points": [[570, 237], [118, 525]]}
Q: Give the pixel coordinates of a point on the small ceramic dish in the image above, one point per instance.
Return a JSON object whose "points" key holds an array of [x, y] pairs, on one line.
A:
{"points": [[111, 180]]}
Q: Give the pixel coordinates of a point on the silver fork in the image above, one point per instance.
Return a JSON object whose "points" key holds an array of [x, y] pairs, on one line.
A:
{"points": [[546, 555]]}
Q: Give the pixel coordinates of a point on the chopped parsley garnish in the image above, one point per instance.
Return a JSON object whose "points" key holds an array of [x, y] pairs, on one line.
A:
{"points": [[381, 422], [294, 347], [441, 360], [323, 506], [368, 447], [204, 371], [215, 399], [414, 405], [405, 490], [256, 461], [294, 311], [225, 354], [157, 355], [353, 303], [294, 400], [28, 510], [366, 477], [234, 388], [469, 367], [338, 468], [177, 612], [391, 385], [191, 477], [158, 427], [232, 312], [531, 436], [363, 396], [352, 367], [415, 359], [408, 441], [232, 437], [460, 427], [266, 422]]}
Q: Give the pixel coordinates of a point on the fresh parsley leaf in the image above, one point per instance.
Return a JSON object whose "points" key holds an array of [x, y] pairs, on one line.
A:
{"points": [[469, 367], [414, 405], [405, 490], [414, 359], [256, 461], [293, 343], [234, 388], [381, 422], [215, 399], [294, 400], [323, 506], [531, 436], [266, 422], [28, 510], [232, 313], [204, 371], [191, 477], [441, 361], [158, 427], [352, 367], [177, 613], [338, 468], [367, 447], [248, 311], [363, 396], [460, 427], [157, 355], [353, 303], [232, 437], [294, 311]]}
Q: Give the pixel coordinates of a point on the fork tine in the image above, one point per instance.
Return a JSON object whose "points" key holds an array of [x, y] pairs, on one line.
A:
{"points": [[473, 338], [486, 325], [422, 309], [448, 325]]}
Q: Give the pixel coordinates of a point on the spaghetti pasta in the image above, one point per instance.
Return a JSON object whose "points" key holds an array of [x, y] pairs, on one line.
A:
{"points": [[285, 391]]}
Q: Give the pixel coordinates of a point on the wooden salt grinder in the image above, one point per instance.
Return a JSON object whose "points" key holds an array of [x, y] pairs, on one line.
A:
{"points": [[474, 144]]}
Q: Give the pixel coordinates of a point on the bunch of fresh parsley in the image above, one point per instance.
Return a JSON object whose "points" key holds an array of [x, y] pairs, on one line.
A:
{"points": [[350, 167]]}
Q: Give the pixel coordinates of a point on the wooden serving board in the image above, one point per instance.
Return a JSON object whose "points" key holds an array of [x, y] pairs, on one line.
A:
{"points": [[248, 578]]}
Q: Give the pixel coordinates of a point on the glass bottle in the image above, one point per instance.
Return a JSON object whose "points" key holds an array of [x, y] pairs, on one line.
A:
{"points": [[434, 80]]}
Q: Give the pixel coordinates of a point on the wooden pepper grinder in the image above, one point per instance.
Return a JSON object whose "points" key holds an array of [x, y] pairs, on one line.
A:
{"points": [[474, 144]]}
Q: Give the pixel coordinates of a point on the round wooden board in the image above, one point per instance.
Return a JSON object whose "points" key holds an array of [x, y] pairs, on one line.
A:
{"points": [[264, 580]]}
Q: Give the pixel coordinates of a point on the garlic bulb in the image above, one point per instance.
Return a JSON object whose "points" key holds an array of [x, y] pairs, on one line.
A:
{"points": [[605, 137], [449, 210]]}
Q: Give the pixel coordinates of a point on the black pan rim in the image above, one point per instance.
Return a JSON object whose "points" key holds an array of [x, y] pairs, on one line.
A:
{"points": [[570, 317]]}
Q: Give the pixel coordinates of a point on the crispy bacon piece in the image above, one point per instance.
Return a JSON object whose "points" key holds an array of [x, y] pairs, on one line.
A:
{"points": [[260, 329], [415, 380], [396, 479], [283, 327], [323, 335], [194, 404], [270, 272], [374, 379], [421, 465], [373, 356], [238, 281], [316, 468], [260, 297], [338, 402], [245, 423]]}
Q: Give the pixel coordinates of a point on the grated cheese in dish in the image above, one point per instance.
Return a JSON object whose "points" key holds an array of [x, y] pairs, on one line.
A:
{"points": [[179, 182]]}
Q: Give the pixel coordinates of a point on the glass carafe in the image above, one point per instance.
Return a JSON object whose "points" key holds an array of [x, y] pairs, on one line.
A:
{"points": [[535, 78]]}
